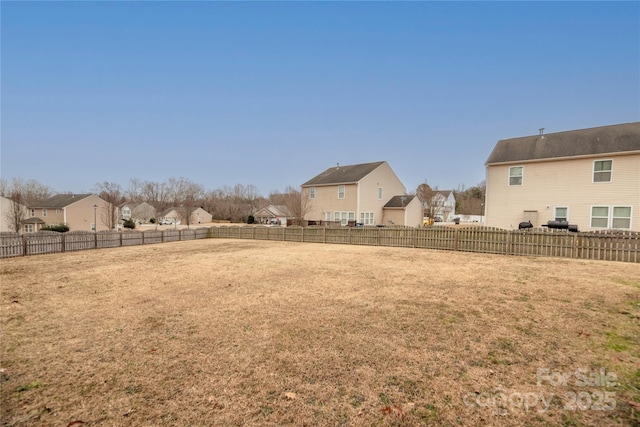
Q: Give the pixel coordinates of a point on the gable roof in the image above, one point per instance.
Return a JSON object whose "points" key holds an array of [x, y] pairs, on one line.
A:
{"points": [[584, 142], [400, 201], [275, 211], [59, 200], [343, 174]]}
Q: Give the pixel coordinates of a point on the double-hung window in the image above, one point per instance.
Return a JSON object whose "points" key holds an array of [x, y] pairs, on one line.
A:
{"points": [[340, 191], [602, 170], [611, 217], [366, 218], [561, 213], [515, 175], [312, 192]]}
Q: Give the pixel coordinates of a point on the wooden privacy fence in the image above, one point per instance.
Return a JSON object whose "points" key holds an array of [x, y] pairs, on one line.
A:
{"points": [[47, 242], [610, 245]]}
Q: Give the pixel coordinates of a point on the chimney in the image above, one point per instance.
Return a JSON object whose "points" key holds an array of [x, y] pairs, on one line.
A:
{"points": [[337, 165], [541, 132]]}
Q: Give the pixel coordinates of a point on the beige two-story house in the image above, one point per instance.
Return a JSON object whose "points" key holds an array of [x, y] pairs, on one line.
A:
{"points": [[81, 212], [358, 194], [588, 177]]}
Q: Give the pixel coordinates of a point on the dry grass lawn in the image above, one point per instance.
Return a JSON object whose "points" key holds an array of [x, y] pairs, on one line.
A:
{"points": [[235, 332]]}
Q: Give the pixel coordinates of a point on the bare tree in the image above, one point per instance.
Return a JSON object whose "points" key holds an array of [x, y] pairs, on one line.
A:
{"points": [[112, 193], [22, 194], [298, 202]]}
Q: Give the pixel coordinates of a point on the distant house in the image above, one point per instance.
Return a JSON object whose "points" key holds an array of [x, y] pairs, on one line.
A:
{"points": [[8, 213], [178, 215], [442, 205], [78, 211], [138, 212], [359, 194], [274, 214], [588, 177]]}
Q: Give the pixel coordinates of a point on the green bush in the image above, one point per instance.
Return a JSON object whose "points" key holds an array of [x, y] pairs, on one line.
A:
{"points": [[251, 219], [129, 223], [60, 228]]}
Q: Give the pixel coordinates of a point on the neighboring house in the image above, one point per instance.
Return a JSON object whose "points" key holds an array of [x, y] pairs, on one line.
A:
{"points": [[9, 210], [78, 211], [358, 194], [588, 177], [442, 205], [178, 215], [138, 212], [273, 214]]}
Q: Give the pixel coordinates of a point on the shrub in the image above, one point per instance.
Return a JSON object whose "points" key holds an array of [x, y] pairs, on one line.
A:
{"points": [[152, 220], [251, 219], [60, 228], [129, 223]]}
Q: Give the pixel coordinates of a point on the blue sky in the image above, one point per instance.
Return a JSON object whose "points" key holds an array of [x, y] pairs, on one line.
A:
{"points": [[273, 93]]}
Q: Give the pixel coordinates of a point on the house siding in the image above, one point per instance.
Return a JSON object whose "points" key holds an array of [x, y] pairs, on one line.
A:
{"points": [[562, 183], [79, 215]]}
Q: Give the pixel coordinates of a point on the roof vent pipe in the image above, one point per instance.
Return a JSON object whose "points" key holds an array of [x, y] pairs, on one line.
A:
{"points": [[541, 131]]}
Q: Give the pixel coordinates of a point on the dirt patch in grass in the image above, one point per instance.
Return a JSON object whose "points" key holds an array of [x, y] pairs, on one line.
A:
{"points": [[234, 332]]}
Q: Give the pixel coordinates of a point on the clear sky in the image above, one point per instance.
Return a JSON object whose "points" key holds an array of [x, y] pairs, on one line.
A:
{"points": [[273, 93]]}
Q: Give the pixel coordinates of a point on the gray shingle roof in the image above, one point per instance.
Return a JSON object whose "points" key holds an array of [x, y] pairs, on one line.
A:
{"points": [[59, 200], [399, 201], [583, 142], [343, 174]]}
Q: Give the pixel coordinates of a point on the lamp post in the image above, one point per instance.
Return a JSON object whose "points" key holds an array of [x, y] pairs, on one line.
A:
{"points": [[482, 213], [95, 223]]}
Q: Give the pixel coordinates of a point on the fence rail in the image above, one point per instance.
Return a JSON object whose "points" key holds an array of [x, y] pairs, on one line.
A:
{"points": [[611, 245]]}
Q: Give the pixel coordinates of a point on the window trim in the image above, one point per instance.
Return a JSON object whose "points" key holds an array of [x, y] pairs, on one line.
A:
{"points": [[613, 217], [44, 212], [379, 193], [367, 218], [341, 194], [521, 176], [312, 193], [555, 214], [593, 171]]}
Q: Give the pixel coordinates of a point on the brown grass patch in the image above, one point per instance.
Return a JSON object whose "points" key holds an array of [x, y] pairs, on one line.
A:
{"points": [[233, 332]]}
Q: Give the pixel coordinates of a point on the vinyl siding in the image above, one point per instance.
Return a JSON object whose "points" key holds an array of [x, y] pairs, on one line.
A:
{"points": [[567, 182]]}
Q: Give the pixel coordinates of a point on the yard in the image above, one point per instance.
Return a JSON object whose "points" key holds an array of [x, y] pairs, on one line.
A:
{"points": [[238, 332]]}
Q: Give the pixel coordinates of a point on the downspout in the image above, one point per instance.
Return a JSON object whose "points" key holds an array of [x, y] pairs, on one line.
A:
{"points": [[357, 201]]}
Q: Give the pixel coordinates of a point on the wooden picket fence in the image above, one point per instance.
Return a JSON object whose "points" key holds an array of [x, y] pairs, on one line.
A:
{"points": [[610, 245]]}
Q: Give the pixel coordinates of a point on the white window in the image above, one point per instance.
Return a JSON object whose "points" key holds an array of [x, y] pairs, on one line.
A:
{"points": [[379, 193], [602, 170], [312, 192], [515, 175], [93, 226], [28, 228], [561, 213], [44, 212], [621, 217], [327, 216], [32, 212], [611, 217], [340, 191], [126, 212], [599, 216], [57, 211], [344, 217], [366, 218]]}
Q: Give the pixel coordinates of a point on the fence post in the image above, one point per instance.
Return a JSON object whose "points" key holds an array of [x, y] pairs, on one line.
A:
{"points": [[24, 244], [63, 242], [95, 238], [120, 237], [455, 238], [508, 248]]}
